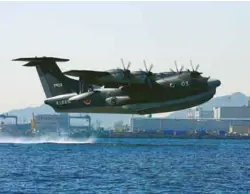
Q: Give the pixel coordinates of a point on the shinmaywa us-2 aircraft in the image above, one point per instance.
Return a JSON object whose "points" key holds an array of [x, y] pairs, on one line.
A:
{"points": [[121, 90]]}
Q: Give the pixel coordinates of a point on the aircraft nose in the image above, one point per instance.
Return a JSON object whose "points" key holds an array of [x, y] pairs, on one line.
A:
{"points": [[213, 82]]}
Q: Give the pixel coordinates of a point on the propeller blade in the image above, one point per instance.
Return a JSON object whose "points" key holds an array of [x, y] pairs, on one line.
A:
{"points": [[181, 68], [122, 63], [145, 65], [176, 66], [192, 65], [129, 63], [151, 66], [197, 67]]}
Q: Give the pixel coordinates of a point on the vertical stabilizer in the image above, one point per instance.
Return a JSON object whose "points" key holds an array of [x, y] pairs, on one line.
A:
{"points": [[53, 81]]}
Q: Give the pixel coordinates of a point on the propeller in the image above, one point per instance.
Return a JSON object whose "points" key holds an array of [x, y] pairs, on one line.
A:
{"points": [[179, 71], [126, 71], [148, 73], [194, 72]]}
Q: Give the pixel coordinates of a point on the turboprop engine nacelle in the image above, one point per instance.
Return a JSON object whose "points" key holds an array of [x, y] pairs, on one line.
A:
{"points": [[82, 96], [118, 100]]}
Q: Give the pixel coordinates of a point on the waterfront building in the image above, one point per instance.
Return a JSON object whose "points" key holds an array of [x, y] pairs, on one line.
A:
{"points": [[200, 113], [232, 112], [51, 123], [61, 123], [189, 125], [239, 129]]}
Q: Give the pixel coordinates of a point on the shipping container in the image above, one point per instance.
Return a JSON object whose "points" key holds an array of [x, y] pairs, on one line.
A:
{"points": [[222, 133], [180, 132], [168, 132]]}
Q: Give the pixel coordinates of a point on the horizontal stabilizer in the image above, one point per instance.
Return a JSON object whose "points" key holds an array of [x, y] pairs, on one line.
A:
{"points": [[85, 73], [34, 61]]}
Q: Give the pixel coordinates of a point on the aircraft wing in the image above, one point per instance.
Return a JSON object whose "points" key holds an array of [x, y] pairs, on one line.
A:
{"points": [[92, 77], [86, 73]]}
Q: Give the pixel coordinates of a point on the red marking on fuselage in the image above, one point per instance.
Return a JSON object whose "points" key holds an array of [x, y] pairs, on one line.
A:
{"points": [[87, 101]]}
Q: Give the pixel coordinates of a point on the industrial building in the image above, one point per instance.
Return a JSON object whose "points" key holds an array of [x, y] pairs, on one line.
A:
{"points": [[226, 112], [10, 126], [232, 112], [47, 123], [165, 124], [228, 119], [200, 113], [61, 123], [239, 129]]}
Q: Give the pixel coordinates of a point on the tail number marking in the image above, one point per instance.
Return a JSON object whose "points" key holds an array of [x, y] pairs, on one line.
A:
{"points": [[58, 85], [62, 102]]}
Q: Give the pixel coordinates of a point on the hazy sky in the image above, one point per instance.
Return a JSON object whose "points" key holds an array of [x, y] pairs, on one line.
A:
{"points": [[96, 35]]}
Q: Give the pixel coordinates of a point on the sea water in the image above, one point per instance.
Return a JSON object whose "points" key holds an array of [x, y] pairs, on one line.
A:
{"points": [[63, 165]]}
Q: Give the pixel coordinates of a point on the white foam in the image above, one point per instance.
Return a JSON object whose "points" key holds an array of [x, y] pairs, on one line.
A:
{"points": [[46, 139]]}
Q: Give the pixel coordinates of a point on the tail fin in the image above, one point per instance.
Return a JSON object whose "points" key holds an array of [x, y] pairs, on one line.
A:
{"points": [[52, 79]]}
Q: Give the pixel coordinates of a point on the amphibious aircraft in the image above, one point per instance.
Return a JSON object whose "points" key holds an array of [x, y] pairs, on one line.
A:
{"points": [[169, 91]]}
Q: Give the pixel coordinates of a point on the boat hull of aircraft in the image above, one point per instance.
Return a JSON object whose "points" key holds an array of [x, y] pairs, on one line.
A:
{"points": [[147, 108]]}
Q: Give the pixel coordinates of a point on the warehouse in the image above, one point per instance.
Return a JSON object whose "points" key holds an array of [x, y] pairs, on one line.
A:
{"points": [[156, 124], [232, 112], [200, 113], [239, 129], [48, 124]]}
